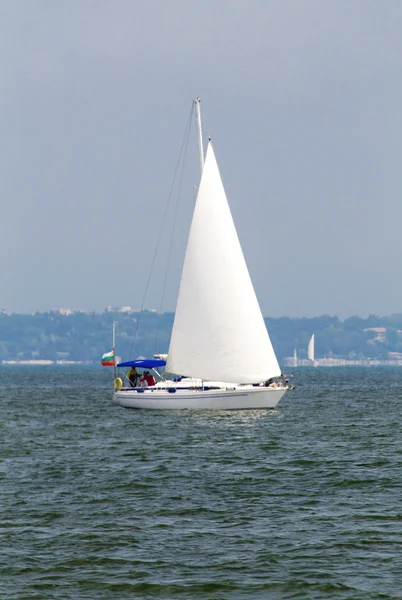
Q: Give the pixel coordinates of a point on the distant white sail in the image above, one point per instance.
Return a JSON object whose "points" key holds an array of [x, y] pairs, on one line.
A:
{"points": [[310, 352]]}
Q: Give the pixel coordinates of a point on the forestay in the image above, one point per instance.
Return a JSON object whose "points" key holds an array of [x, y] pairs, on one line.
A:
{"points": [[219, 332]]}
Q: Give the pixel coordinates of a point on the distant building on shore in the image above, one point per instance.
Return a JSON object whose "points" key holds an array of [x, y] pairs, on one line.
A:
{"points": [[127, 309], [67, 311]]}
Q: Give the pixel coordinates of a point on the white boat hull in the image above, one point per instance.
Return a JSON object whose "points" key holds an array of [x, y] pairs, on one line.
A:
{"points": [[240, 398]]}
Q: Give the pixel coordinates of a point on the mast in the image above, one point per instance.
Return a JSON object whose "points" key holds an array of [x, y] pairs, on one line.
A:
{"points": [[197, 103]]}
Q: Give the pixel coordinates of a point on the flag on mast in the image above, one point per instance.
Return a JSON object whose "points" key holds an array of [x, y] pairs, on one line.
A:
{"points": [[108, 359]]}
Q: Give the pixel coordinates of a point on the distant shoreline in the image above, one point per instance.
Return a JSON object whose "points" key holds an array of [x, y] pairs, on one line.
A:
{"points": [[47, 362], [302, 363], [341, 362]]}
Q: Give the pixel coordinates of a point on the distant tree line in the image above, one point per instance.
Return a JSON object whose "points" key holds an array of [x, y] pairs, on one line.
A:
{"points": [[352, 338], [82, 336], [86, 336]]}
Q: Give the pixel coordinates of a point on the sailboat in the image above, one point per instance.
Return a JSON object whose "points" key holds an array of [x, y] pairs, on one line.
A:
{"points": [[220, 350], [310, 351]]}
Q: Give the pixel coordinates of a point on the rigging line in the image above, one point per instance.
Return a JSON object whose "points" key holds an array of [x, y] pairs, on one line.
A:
{"points": [[185, 137], [176, 211]]}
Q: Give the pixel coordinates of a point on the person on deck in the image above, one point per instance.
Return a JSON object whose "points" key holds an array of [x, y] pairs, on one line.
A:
{"points": [[143, 380], [133, 376], [150, 378]]}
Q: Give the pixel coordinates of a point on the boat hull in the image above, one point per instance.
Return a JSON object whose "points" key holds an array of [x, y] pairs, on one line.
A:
{"points": [[235, 399]]}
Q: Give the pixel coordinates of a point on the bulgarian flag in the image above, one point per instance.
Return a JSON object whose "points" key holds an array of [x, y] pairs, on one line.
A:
{"points": [[108, 359]]}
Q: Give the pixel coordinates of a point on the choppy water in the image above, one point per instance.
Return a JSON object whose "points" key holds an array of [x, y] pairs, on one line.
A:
{"points": [[100, 502]]}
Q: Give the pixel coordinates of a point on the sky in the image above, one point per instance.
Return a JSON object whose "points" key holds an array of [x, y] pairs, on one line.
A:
{"points": [[303, 101]]}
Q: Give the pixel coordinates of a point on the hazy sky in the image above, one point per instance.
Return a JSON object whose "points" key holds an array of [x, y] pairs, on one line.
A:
{"points": [[303, 100]]}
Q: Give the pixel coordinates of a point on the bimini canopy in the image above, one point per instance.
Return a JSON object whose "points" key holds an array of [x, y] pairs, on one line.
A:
{"points": [[144, 363]]}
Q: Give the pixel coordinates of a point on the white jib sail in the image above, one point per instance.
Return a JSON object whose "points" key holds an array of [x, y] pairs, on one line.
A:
{"points": [[218, 333], [310, 351]]}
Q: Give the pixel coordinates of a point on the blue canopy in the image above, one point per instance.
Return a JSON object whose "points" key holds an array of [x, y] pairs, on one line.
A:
{"points": [[144, 363]]}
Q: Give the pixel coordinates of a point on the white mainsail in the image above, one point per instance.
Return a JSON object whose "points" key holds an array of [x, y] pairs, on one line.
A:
{"points": [[310, 351], [219, 333]]}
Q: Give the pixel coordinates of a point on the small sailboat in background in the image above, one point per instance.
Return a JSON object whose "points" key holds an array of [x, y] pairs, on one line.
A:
{"points": [[220, 350], [311, 350]]}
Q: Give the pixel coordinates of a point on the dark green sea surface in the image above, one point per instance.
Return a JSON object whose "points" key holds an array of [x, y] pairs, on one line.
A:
{"points": [[101, 502]]}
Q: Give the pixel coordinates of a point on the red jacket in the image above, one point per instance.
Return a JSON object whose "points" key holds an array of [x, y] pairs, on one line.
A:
{"points": [[150, 379]]}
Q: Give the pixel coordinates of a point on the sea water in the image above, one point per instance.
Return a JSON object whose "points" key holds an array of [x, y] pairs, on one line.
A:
{"points": [[101, 502]]}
